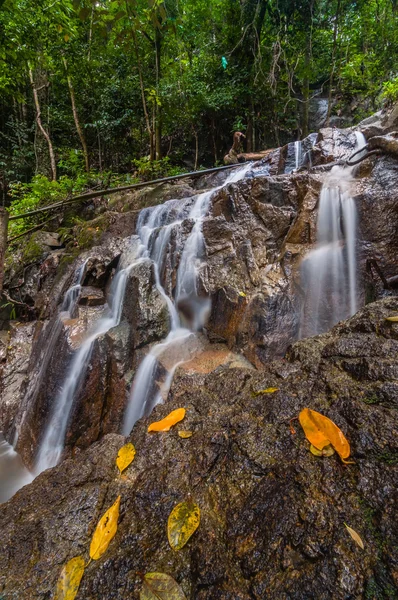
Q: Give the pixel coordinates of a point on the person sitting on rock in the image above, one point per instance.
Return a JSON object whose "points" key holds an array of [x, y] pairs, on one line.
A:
{"points": [[234, 155]]}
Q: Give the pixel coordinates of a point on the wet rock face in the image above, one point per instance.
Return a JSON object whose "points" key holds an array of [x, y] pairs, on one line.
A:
{"points": [[272, 514], [244, 237], [17, 349]]}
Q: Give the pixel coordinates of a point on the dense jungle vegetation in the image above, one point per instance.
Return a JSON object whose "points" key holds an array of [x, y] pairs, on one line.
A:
{"points": [[110, 90]]}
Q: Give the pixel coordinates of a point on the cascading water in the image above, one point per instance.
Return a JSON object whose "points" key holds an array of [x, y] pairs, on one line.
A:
{"points": [[328, 273], [162, 220], [13, 474], [52, 443], [298, 153], [154, 229], [67, 310]]}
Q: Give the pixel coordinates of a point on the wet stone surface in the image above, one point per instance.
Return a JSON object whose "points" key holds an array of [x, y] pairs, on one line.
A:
{"points": [[272, 514]]}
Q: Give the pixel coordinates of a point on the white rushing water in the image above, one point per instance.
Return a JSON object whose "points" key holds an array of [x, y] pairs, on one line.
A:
{"points": [[52, 443], [155, 227], [13, 474], [329, 272], [298, 153]]}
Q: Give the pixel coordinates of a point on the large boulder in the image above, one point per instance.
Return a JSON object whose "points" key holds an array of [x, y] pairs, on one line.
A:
{"points": [[272, 515]]}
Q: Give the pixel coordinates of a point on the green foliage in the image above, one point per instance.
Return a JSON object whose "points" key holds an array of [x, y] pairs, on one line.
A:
{"points": [[156, 169], [27, 197], [390, 90], [186, 73]]}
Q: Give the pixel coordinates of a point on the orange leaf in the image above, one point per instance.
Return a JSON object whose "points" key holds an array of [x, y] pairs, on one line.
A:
{"points": [[321, 431], [164, 425]]}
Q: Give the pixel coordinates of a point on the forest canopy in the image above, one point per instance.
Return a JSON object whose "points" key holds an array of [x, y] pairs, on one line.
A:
{"points": [[123, 87]]}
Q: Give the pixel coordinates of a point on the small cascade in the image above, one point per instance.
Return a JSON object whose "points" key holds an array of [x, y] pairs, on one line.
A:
{"points": [[67, 311], [294, 156], [13, 474], [52, 443], [154, 229], [298, 153], [329, 272]]}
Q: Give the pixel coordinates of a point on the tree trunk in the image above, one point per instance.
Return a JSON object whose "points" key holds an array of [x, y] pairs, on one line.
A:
{"points": [[196, 149], [3, 243], [76, 117], [333, 68], [40, 125], [99, 150], [213, 135], [144, 104], [158, 115], [306, 88]]}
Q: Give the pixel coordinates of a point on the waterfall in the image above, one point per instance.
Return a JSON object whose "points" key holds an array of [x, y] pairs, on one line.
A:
{"points": [[155, 226], [67, 310], [298, 152], [52, 443], [13, 474], [294, 156], [329, 272]]}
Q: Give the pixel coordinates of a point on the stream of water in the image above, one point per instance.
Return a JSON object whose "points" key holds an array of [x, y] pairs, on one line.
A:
{"points": [[154, 228], [329, 272]]}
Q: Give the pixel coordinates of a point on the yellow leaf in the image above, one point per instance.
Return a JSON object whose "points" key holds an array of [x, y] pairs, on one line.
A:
{"points": [[66, 37], [183, 521], [105, 531], [321, 431], [159, 586], [355, 536], [270, 390], [125, 456], [326, 451], [164, 425], [185, 434], [59, 27], [69, 579], [392, 319], [242, 294]]}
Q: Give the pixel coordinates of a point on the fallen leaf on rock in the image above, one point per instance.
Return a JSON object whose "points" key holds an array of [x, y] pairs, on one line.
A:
{"points": [[183, 521], [185, 434], [321, 432], [355, 536], [105, 531], [164, 425], [326, 451], [392, 319], [270, 390], [125, 456], [69, 579], [159, 586]]}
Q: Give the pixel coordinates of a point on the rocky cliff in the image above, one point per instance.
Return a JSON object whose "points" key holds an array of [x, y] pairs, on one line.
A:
{"points": [[272, 513]]}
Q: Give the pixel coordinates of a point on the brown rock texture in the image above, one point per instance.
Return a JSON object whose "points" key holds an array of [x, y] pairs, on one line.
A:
{"points": [[272, 514]]}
